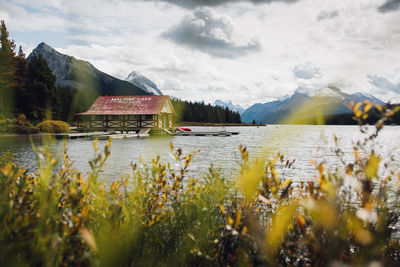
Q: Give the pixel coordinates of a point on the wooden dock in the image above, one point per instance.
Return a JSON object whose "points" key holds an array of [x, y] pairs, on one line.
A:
{"points": [[117, 136], [220, 133], [143, 133], [78, 135], [100, 135]]}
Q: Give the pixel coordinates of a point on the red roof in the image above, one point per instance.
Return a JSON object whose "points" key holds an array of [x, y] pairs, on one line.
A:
{"points": [[127, 105]]}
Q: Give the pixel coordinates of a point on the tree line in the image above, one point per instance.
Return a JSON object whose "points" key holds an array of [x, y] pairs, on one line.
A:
{"points": [[199, 112]]}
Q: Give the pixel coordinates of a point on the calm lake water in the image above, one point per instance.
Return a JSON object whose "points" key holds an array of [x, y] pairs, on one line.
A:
{"points": [[301, 143]]}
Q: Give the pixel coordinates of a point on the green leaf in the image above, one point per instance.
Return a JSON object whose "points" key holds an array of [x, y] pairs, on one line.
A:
{"points": [[371, 170]]}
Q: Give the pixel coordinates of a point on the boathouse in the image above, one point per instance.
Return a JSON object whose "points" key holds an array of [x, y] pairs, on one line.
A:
{"points": [[128, 113]]}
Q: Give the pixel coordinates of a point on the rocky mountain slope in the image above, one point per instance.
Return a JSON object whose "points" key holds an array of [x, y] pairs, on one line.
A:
{"points": [[143, 83], [80, 74]]}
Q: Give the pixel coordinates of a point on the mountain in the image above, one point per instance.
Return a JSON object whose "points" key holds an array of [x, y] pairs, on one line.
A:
{"points": [[229, 105], [304, 103], [143, 83], [79, 74]]}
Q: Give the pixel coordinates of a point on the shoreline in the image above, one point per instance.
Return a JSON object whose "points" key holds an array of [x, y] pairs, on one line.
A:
{"points": [[210, 124], [31, 135]]}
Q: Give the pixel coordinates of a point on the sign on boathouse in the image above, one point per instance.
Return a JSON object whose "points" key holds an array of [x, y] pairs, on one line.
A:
{"points": [[128, 113]]}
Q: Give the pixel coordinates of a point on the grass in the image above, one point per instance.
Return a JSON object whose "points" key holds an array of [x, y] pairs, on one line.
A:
{"points": [[21, 125], [161, 215]]}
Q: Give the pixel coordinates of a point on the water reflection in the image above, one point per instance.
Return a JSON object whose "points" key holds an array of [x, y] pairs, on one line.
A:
{"points": [[301, 143]]}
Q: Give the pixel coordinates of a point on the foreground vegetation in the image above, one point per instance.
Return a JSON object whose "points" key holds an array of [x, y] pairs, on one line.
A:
{"points": [[23, 126], [161, 215]]}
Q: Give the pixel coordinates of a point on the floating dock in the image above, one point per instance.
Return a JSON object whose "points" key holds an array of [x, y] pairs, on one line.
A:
{"points": [[142, 133], [117, 136], [220, 133], [100, 135], [78, 135]]}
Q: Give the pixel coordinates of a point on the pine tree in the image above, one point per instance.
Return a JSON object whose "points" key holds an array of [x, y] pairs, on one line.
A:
{"points": [[226, 115], [41, 86], [7, 72], [22, 96]]}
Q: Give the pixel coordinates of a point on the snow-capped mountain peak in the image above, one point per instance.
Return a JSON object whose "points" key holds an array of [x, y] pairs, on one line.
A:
{"points": [[283, 98], [229, 105], [330, 92], [304, 91], [143, 83], [366, 95]]}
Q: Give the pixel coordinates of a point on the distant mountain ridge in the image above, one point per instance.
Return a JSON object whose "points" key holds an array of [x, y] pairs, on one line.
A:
{"points": [[143, 83], [303, 103], [229, 105], [80, 74]]}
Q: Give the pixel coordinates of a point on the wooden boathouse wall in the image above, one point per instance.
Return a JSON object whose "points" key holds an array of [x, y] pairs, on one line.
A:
{"points": [[126, 122], [128, 113]]}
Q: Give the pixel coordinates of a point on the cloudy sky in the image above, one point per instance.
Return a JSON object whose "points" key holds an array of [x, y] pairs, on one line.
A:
{"points": [[247, 51]]}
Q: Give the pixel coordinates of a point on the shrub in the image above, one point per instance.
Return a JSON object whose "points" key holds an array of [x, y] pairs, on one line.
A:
{"points": [[20, 125], [25, 130], [50, 126], [160, 215]]}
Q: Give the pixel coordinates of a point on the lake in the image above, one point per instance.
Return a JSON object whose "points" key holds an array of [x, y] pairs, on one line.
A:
{"points": [[299, 142]]}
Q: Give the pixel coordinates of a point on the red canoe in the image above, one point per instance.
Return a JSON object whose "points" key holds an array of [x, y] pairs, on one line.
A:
{"points": [[184, 129]]}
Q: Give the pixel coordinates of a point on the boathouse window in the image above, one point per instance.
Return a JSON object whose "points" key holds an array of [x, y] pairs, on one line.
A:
{"points": [[132, 117], [96, 117], [148, 117]]}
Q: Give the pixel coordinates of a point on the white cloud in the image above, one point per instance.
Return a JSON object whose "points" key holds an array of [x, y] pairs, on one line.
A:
{"points": [[200, 3], [384, 83], [306, 71], [327, 14], [390, 5], [344, 40], [17, 18], [211, 33]]}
